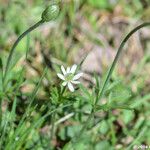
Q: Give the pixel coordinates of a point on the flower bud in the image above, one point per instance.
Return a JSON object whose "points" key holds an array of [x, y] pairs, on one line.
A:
{"points": [[50, 13]]}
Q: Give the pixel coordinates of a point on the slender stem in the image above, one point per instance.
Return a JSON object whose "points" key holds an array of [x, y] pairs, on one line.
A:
{"points": [[28, 45], [110, 73], [117, 57], [15, 45]]}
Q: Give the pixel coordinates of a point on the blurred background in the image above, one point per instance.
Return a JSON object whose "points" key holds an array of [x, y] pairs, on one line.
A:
{"points": [[93, 27]]}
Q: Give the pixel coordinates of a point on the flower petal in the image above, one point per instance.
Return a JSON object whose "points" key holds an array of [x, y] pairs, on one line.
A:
{"points": [[76, 77], [60, 76], [73, 68], [68, 69], [70, 86], [75, 82], [63, 70], [64, 83]]}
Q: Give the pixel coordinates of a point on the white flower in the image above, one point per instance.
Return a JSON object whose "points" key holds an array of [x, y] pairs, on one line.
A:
{"points": [[69, 77]]}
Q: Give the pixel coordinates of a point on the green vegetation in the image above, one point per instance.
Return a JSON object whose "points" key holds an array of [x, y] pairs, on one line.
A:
{"points": [[109, 109]]}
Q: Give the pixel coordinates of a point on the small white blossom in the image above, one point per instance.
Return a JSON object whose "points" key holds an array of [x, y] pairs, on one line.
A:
{"points": [[69, 77]]}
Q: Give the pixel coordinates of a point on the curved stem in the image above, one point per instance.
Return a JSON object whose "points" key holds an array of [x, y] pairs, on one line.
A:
{"points": [[15, 45], [117, 57], [110, 72]]}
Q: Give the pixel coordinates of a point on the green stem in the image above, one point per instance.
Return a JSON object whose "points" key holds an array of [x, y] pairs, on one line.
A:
{"points": [[117, 57], [15, 45], [110, 72]]}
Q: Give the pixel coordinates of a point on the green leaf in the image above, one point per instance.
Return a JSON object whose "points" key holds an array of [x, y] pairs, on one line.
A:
{"points": [[13, 111]]}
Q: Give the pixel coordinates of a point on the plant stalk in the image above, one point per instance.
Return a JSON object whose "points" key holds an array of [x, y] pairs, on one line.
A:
{"points": [[120, 49], [117, 57], [15, 45]]}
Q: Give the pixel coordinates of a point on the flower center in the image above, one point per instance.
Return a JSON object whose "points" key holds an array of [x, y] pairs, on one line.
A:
{"points": [[69, 76]]}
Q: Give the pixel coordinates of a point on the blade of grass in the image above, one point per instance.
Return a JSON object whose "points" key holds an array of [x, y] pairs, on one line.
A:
{"points": [[8, 119], [31, 99], [19, 143]]}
